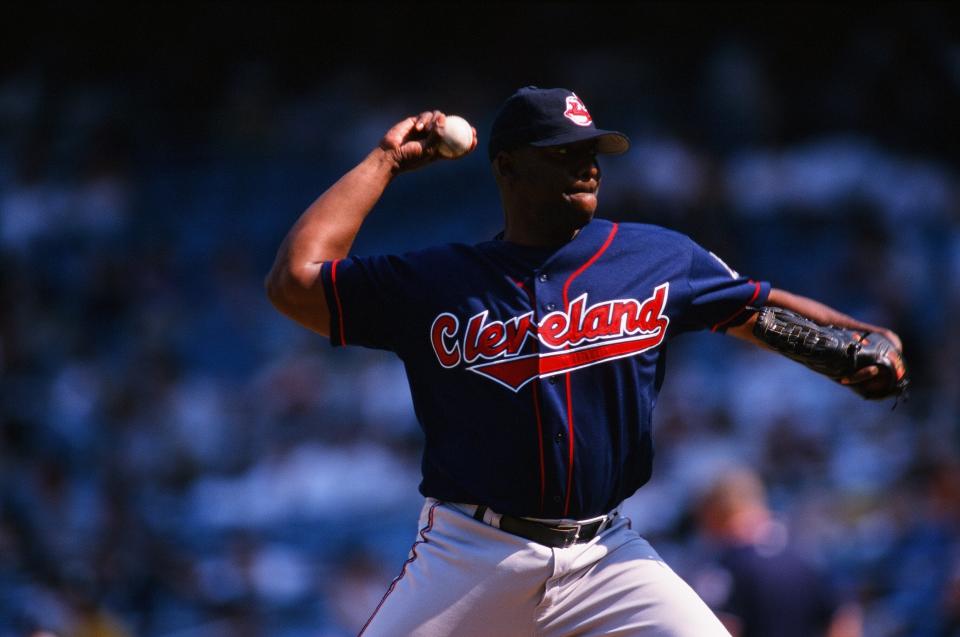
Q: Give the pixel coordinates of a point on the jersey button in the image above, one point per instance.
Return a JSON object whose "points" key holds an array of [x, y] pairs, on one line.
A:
{"points": [[543, 277], [559, 436], [553, 380], [556, 499], [551, 307]]}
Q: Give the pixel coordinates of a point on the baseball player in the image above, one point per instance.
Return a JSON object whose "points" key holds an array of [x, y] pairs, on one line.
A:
{"points": [[534, 362]]}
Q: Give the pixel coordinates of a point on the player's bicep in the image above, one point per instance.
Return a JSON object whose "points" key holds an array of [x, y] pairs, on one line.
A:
{"points": [[301, 297]]}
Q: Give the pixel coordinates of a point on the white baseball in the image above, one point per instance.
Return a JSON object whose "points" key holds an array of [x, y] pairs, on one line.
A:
{"points": [[456, 136]]}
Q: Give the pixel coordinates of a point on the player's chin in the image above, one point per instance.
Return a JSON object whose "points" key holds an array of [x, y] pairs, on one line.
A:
{"points": [[581, 205], [585, 200]]}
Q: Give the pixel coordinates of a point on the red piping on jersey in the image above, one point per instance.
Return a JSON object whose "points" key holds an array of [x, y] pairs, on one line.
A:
{"points": [[756, 293], [336, 296], [566, 305], [590, 261], [566, 502], [413, 555], [536, 411], [536, 403]]}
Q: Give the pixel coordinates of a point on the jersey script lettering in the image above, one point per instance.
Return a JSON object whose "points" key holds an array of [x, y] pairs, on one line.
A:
{"points": [[577, 337]]}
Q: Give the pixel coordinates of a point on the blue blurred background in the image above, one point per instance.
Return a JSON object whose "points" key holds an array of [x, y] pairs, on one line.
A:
{"points": [[177, 459]]}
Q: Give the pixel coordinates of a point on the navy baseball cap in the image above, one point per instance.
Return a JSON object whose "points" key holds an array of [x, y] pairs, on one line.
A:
{"points": [[536, 116]]}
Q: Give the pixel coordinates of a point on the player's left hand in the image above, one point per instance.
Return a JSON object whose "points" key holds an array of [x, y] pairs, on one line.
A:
{"points": [[872, 381], [413, 142], [889, 376]]}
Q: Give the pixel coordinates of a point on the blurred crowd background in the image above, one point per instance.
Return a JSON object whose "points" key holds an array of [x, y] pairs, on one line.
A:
{"points": [[178, 460]]}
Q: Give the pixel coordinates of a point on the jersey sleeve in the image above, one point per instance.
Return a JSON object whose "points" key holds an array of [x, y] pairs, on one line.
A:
{"points": [[368, 298], [719, 297]]}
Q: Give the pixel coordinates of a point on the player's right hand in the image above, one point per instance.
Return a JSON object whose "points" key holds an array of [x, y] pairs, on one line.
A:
{"points": [[414, 142]]}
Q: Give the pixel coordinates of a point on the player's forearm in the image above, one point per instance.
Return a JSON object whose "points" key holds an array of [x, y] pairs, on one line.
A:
{"points": [[324, 232], [813, 310], [823, 314], [327, 229]]}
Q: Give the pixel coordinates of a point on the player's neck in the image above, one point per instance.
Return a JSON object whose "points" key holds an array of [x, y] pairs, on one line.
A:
{"points": [[525, 232]]}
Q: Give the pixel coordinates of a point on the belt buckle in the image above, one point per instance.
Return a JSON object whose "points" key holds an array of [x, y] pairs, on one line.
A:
{"points": [[568, 539], [598, 524]]}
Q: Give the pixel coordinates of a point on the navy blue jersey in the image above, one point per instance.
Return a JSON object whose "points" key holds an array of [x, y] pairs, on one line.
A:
{"points": [[534, 372]]}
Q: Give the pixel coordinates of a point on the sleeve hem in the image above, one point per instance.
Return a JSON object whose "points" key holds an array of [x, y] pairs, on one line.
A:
{"points": [[328, 274], [760, 293]]}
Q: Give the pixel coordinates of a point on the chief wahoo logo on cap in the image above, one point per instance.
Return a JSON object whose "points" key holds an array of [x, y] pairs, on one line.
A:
{"points": [[576, 111]]}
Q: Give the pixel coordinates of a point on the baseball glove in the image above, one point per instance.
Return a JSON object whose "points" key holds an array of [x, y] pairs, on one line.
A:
{"points": [[835, 352]]}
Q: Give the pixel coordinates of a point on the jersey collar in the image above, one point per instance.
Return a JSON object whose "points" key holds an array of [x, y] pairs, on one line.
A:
{"points": [[578, 251], [565, 258]]}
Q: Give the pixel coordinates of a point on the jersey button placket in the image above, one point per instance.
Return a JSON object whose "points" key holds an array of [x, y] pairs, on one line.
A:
{"points": [[551, 432]]}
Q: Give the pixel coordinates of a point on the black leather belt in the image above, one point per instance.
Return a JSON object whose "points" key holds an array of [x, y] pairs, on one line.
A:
{"points": [[555, 535]]}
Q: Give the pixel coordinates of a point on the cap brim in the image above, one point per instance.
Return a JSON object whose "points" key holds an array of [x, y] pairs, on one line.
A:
{"points": [[608, 142]]}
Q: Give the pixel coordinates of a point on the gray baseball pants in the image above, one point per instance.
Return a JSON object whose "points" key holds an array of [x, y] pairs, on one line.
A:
{"points": [[466, 578]]}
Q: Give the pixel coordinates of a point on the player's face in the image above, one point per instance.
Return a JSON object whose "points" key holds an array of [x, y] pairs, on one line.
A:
{"points": [[560, 183]]}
